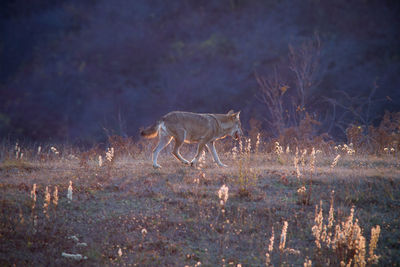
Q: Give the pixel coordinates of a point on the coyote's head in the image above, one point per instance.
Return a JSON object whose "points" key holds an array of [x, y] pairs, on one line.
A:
{"points": [[236, 129]]}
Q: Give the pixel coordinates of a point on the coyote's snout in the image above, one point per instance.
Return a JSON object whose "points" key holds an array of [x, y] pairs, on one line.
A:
{"points": [[189, 127]]}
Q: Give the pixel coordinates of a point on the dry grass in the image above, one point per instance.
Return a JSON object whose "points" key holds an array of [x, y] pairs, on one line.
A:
{"points": [[126, 213]]}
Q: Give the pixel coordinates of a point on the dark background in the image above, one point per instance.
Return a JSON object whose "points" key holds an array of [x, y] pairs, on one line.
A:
{"points": [[77, 71]]}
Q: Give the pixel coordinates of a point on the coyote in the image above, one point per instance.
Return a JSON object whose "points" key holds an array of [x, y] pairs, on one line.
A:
{"points": [[189, 127]]}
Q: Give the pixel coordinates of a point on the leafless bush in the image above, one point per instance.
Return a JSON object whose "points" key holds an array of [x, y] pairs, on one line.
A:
{"points": [[272, 92], [304, 62], [287, 107]]}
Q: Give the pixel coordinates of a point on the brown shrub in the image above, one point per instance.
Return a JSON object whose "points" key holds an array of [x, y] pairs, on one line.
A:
{"points": [[122, 145], [304, 135], [372, 139]]}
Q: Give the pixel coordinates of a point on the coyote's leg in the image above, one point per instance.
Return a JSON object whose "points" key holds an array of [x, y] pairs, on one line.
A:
{"points": [[164, 140], [211, 148], [200, 148], [179, 139]]}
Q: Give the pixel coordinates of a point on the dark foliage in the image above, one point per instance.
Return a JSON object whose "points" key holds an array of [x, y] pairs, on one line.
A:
{"points": [[82, 70]]}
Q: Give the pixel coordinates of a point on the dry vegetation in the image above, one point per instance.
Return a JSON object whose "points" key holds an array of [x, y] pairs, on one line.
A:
{"points": [[274, 205]]}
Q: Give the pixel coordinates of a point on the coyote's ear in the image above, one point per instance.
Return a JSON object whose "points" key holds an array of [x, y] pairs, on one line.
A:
{"points": [[234, 116], [237, 114], [230, 112]]}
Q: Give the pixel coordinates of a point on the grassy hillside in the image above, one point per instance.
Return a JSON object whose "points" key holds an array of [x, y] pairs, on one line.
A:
{"points": [[281, 207]]}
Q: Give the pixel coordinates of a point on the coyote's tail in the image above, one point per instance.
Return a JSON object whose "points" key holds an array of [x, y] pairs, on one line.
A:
{"points": [[151, 131]]}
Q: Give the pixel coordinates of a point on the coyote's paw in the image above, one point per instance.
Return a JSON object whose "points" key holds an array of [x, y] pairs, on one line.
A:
{"points": [[156, 166], [193, 164], [222, 165]]}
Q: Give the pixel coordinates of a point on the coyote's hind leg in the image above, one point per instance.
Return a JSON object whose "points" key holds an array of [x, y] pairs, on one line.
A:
{"points": [[179, 139], [164, 140]]}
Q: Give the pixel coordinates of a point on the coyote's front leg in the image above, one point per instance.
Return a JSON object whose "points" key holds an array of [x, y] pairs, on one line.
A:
{"points": [[211, 148]]}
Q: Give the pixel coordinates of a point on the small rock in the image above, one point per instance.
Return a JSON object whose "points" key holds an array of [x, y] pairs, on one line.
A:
{"points": [[76, 257], [74, 238]]}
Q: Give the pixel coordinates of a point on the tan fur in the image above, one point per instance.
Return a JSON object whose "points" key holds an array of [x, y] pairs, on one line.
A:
{"points": [[189, 127]]}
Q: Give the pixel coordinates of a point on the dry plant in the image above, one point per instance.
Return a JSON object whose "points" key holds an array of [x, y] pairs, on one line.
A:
{"points": [[110, 155], [282, 249], [46, 202], [270, 248], [18, 153], [307, 263], [296, 161], [254, 133], [282, 242], [375, 232], [335, 161], [90, 155], [279, 152], [122, 146], [100, 161], [303, 159], [55, 197], [344, 240], [247, 175], [69, 192], [312, 161], [223, 195], [33, 214], [258, 141], [303, 193], [54, 150]]}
